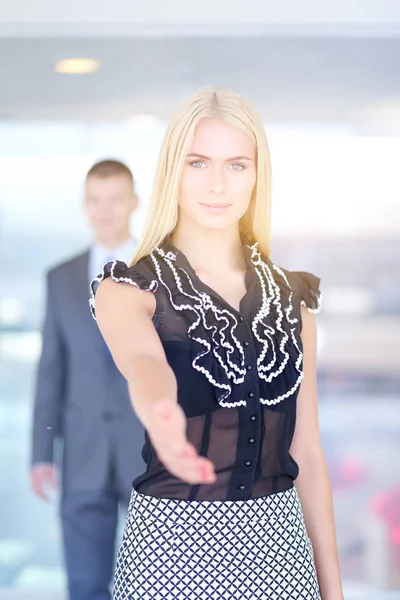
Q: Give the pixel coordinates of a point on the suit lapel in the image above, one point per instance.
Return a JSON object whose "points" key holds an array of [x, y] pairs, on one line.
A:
{"points": [[81, 290], [81, 276]]}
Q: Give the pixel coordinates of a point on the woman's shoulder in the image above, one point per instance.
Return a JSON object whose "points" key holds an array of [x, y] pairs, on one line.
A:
{"points": [[303, 285], [295, 287], [139, 275]]}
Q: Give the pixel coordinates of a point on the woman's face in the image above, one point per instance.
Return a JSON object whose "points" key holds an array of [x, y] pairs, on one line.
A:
{"points": [[218, 176]]}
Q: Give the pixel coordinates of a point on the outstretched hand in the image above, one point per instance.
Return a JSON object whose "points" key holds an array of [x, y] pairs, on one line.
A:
{"points": [[167, 431]]}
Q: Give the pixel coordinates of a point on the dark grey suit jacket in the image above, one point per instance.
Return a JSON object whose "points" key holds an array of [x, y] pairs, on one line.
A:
{"points": [[81, 397]]}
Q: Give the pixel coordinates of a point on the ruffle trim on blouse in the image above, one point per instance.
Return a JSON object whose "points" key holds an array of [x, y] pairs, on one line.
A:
{"points": [[219, 354], [119, 272], [280, 357], [311, 293], [212, 328], [217, 350]]}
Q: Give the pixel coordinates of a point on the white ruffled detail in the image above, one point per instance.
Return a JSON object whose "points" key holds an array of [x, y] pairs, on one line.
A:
{"points": [[272, 360], [278, 343], [314, 310], [267, 371], [200, 304], [152, 287]]}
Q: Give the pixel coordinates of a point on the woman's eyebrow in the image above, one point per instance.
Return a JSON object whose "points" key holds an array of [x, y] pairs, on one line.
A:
{"points": [[195, 155]]}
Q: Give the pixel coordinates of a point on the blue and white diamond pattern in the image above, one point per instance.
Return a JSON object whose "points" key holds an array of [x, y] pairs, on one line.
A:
{"points": [[221, 550]]}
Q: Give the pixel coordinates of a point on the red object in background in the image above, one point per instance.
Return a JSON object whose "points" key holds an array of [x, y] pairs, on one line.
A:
{"points": [[395, 536], [352, 470], [379, 503], [387, 507], [347, 473]]}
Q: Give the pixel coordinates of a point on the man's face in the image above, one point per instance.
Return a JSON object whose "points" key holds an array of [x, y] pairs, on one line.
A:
{"points": [[109, 203]]}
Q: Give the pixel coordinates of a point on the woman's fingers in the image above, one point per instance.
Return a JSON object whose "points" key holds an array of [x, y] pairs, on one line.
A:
{"points": [[194, 468], [194, 471], [182, 460], [168, 434]]}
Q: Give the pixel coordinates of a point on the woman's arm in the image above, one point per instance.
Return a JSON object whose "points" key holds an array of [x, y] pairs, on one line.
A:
{"points": [[124, 315], [313, 483]]}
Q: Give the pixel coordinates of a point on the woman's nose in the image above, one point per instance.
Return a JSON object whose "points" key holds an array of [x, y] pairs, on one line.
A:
{"points": [[217, 182]]}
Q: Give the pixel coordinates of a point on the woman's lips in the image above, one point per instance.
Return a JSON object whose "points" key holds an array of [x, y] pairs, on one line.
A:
{"points": [[215, 207]]}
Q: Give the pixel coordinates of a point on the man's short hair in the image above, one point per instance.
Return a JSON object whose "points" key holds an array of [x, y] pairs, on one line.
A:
{"points": [[109, 168]]}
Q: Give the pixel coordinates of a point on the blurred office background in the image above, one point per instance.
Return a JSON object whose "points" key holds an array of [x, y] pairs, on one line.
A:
{"points": [[326, 79]]}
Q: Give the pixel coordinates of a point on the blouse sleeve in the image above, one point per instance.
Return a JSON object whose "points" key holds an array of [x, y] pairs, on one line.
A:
{"points": [[309, 292], [120, 273]]}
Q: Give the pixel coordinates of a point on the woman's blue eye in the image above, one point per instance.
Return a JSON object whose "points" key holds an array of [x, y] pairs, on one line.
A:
{"points": [[200, 164]]}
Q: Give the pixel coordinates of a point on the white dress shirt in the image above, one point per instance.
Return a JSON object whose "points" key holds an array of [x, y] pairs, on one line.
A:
{"points": [[99, 255]]}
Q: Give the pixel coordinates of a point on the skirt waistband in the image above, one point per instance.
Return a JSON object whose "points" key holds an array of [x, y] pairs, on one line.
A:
{"points": [[282, 505]]}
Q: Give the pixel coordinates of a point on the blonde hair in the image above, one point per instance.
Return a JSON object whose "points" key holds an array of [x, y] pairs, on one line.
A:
{"points": [[233, 110]]}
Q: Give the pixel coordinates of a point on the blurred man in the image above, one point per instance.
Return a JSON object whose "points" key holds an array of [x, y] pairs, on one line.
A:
{"points": [[82, 398]]}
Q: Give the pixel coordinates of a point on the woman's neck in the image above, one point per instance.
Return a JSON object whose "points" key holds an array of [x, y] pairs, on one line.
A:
{"points": [[211, 251]]}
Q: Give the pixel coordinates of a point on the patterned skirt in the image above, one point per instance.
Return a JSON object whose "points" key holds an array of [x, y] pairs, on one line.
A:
{"points": [[220, 550]]}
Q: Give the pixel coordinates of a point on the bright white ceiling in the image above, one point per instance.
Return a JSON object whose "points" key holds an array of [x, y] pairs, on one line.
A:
{"points": [[335, 79], [146, 15]]}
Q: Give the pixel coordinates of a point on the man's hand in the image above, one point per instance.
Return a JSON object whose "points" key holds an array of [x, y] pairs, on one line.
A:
{"points": [[44, 479]]}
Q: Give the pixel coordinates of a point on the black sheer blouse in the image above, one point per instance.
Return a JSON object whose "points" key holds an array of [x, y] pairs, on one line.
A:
{"points": [[238, 373]]}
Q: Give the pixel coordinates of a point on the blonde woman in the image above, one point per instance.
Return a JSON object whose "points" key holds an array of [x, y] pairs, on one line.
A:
{"points": [[217, 344]]}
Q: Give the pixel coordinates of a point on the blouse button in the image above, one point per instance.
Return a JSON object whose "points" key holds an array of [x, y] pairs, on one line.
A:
{"points": [[251, 440], [246, 344], [241, 319], [253, 418], [242, 487], [251, 394], [248, 463], [249, 367]]}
